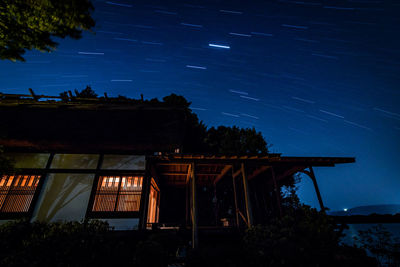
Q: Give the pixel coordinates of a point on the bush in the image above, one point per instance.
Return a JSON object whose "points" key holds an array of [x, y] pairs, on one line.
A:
{"points": [[304, 237], [381, 243], [157, 250], [53, 244]]}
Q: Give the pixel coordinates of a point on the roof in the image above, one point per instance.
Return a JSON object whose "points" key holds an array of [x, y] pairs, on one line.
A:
{"points": [[174, 168], [92, 126]]}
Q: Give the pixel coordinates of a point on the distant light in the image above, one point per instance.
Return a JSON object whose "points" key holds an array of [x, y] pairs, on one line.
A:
{"points": [[219, 46], [345, 209]]}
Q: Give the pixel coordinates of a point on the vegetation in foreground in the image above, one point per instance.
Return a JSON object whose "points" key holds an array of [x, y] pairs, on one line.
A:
{"points": [[305, 238], [302, 237]]}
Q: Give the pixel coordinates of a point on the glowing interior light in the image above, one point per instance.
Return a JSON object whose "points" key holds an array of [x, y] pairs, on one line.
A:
{"points": [[345, 209]]}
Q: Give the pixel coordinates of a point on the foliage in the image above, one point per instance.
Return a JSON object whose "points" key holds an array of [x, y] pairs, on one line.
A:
{"points": [[157, 250], [218, 254], [303, 237], [88, 92], [197, 138], [33, 24], [45, 244], [235, 140], [381, 243], [220, 140], [195, 130]]}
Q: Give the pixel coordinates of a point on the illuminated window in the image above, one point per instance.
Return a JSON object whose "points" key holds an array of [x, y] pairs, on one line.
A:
{"points": [[154, 200], [16, 192], [118, 194]]}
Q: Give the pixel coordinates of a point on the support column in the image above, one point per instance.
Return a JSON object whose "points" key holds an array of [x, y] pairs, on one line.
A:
{"points": [[144, 198], [187, 201], [235, 198], [312, 176], [247, 197], [188, 195], [277, 192], [195, 241]]}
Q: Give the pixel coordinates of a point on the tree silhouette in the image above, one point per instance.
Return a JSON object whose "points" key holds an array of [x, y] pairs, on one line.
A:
{"points": [[31, 24]]}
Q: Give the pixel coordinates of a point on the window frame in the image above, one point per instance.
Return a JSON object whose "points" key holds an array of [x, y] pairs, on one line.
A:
{"points": [[90, 214], [26, 214], [157, 203]]}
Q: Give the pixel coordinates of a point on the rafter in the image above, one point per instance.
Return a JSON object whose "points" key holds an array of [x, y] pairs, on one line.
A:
{"points": [[223, 173]]}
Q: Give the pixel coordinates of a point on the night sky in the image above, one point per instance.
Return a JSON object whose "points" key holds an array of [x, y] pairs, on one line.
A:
{"points": [[317, 78]]}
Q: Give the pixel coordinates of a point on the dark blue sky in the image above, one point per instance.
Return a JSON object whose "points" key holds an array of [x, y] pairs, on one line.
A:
{"points": [[317, 78]]}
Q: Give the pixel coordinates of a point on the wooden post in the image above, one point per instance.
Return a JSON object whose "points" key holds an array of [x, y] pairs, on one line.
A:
{"points": [[235, 198], [312, 176], [187, 201], [247, 197], [35, 97], [144, 198], [195, 241], [277, 192], [188, 195]]}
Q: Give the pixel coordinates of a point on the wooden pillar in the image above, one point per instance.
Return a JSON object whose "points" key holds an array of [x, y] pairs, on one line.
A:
{"points": [[277, 192], [195, 240], [235, 198], [247, 197], [188, 195], [144, 199], [187, 201], [312, 176]]}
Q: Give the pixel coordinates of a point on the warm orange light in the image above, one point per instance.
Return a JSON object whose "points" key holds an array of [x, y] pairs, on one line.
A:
{"points": [[153, 209], [16, 192], [116, 193]]}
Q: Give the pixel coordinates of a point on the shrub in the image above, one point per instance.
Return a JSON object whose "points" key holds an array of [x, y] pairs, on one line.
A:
{"points": [[303, 237], [381, 243], [52, 244]]}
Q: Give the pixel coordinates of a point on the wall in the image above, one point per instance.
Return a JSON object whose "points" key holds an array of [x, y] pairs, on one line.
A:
{"points": [[68, 183]]}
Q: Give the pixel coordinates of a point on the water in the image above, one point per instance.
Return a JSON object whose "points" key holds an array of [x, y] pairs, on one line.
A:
{"points": [[352, 232]]}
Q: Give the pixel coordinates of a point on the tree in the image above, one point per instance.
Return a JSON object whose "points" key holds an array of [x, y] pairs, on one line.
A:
{"points": [[197, 137], [32, 24], [380, 242], [235, 140], [88, 92]]}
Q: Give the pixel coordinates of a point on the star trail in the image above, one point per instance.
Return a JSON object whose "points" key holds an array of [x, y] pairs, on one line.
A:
{"points": [[317, 78]]}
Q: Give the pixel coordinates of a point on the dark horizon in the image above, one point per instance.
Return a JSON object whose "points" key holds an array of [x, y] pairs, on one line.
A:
{"points": [[316, 78]]}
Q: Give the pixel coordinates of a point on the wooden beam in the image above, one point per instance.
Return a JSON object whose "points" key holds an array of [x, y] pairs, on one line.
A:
{"points": [[311, 174], [247, 196], [291, 171], [235, 174], [144, 203], [185, 173], [235, 198], [187, 200], [243, 217], [33, 94], [189, 172], [195, 241], [223, 173], [258, 171]]}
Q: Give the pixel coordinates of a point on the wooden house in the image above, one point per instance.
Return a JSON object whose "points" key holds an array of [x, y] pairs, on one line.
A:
{"points": [[121, 162]]}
